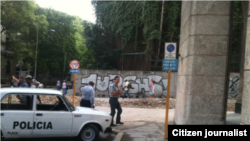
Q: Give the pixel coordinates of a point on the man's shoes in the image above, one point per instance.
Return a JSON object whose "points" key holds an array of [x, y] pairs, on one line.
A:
{"points": [[113, 125], [119, 123]]}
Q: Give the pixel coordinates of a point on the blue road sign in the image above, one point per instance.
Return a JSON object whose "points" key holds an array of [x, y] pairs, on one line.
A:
{"points": [[170, 65], [74, 71], [170, 48]]}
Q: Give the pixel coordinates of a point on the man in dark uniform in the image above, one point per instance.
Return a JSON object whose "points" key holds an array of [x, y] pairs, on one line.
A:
{"points": [[114, 93]]}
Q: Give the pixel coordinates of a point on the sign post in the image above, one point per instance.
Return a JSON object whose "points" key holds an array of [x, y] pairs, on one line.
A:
{"points": [[170, 51], [74, 68], [170, 63], [167, 105]]}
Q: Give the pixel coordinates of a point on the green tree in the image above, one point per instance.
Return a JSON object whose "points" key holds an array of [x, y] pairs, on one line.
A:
{"points": [[18, 20], [99, 54], [136, 26], [53, 46], [17, 15]]}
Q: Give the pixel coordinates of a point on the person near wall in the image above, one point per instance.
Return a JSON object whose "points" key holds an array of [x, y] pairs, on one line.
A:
{"points": [[27, 84], [152, 88], [21, 81], [114, 93], [127, 87], [64, 87], [88, 96], [15, 81], [58, 85], [37, 83]]}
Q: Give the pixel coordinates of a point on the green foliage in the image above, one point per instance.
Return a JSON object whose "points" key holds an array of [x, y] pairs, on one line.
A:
{"points": [[171, 21], [18, 21], [17, 15], [60, 36], [59, 40], [237, 31], [133, 22], [99, 54], [125, 17]]}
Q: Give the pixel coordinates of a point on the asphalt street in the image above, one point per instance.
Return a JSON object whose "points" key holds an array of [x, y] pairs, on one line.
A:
{"points": [[103, 137]]}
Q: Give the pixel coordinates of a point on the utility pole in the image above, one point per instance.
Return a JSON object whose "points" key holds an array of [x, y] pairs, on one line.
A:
{"points": [[64, 62], [36, 53]]}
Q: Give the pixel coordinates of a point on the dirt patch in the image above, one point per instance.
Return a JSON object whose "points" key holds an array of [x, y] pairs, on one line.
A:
{"points": [[150, 103]]}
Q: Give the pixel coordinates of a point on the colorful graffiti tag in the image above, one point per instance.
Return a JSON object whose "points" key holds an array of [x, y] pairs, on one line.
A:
{"points": [[140, 85]]}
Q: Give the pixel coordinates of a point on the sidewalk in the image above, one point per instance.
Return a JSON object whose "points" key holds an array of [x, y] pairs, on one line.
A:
{"points": [[149, 124]]}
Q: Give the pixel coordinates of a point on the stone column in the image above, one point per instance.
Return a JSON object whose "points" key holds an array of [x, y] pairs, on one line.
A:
{"points": [[202, 65], [238, 103], [245, 113]]}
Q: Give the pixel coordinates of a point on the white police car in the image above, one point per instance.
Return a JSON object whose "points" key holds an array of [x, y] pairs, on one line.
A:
{"points": [[31, 112]]}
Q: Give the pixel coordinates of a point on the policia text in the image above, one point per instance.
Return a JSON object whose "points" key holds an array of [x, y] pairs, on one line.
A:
{"points": [[34, 125]]}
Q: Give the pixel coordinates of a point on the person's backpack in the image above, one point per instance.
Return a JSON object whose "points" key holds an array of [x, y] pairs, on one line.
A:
{"points": [[129, 86]]}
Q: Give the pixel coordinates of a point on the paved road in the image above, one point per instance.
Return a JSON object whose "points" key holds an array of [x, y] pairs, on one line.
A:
{"points": [[103, 137]]}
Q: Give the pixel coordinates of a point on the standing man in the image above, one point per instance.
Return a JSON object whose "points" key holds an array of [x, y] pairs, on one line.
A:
{"points": [[127, 87], [28, 82], [88, 96], [114, 93], [58, 85]]}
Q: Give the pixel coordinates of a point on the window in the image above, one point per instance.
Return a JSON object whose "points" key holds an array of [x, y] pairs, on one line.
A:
{"points": [[17, 102], [50, 103]]}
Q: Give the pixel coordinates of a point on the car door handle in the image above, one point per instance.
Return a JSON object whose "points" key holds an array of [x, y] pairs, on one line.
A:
{"points": [[2, 114], [39, 114]]}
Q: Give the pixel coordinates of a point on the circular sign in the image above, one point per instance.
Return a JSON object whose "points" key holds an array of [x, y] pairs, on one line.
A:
{"points": [[74, 64], [170, 48]]}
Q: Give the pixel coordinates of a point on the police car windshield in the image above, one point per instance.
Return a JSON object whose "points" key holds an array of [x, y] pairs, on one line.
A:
{"points": [[71, 106]]}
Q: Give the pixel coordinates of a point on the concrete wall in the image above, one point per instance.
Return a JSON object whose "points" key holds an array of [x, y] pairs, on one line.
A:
{"points": [[204, 40], [245, 114], [139, 79]]}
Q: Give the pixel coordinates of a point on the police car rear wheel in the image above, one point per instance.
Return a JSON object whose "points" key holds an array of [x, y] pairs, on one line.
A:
{"points": [[89, 133]]}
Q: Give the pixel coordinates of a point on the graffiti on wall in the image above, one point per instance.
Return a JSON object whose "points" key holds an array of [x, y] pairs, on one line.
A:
{"points": [[234, 84], [139, 84]]}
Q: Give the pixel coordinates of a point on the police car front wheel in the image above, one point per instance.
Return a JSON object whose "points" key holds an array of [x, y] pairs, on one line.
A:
{"points": [[89, 133]]}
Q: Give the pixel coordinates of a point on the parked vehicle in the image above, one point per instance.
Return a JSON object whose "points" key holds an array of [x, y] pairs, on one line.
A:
{"points": [[70, 84], [36, 113]]}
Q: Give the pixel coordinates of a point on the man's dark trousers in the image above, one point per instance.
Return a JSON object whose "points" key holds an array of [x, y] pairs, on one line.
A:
{"points": [[114, 104]]}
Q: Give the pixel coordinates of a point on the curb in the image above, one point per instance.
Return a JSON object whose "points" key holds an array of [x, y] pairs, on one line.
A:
{"points": [[118, 137]]}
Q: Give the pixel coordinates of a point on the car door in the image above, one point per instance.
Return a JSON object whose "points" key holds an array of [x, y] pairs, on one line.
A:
{"points": [[52, 117], [17, 115]]}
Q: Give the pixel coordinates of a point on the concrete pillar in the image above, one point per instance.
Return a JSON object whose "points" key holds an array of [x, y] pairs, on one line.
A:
{"points": [[202, 65], [245, 113], [238, 103]]}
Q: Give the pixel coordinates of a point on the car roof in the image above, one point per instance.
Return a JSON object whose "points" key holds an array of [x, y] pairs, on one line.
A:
{"points": [[42, 91]]}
